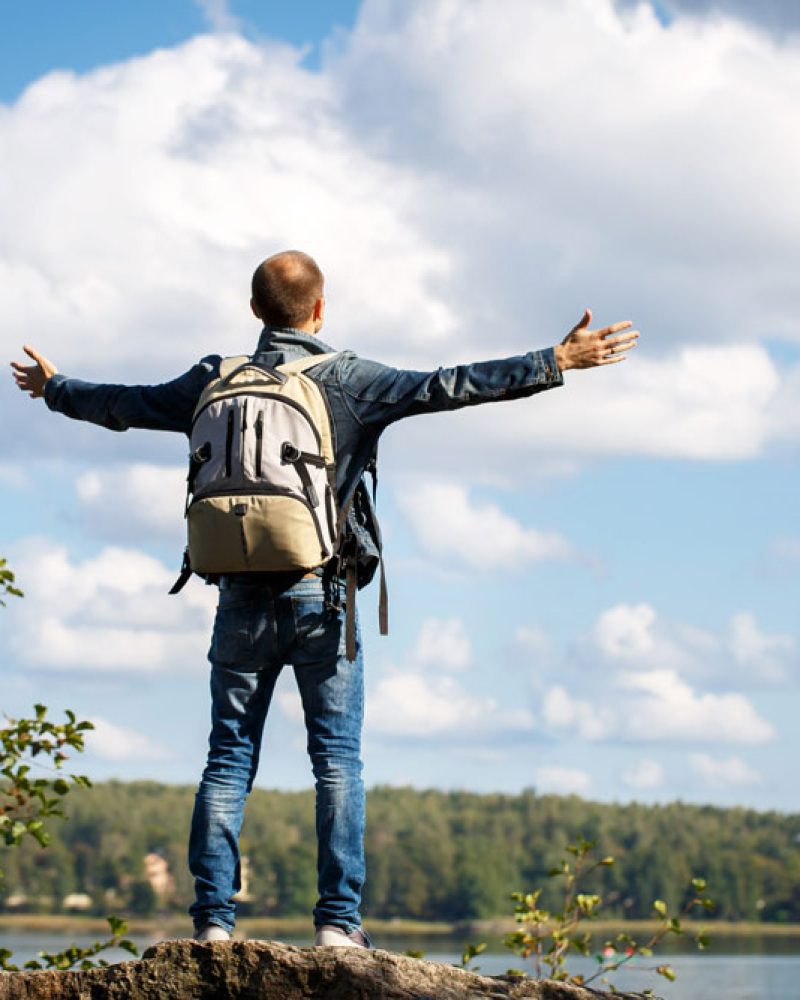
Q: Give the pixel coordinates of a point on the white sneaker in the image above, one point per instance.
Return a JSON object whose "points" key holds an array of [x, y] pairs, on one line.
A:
{"points": [[330, 936], [212, 932]]}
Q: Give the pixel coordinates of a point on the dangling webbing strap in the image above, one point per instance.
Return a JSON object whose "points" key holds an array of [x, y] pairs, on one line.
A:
{"points": [[383, 596], [350, 610]]}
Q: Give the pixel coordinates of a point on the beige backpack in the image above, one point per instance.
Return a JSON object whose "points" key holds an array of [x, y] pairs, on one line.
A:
{"points": [[262, 477]]}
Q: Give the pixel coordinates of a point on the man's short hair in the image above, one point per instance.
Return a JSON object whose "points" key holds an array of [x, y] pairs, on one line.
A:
{"points": [[285, 288]]}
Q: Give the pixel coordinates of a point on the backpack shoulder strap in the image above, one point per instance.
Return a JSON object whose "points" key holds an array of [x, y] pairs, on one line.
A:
{"points": [[304, 363], [228, 365]]}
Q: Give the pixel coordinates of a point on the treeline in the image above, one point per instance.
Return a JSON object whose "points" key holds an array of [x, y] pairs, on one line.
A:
{"points": [[430, 855]]}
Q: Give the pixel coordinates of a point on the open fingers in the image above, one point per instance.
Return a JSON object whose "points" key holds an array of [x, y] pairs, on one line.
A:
{"points": [[623, 339], [609, 331], [617, 349]]}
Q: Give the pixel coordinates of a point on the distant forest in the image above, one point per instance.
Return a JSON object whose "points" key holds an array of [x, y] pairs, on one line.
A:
{"points": [[430, 855]]}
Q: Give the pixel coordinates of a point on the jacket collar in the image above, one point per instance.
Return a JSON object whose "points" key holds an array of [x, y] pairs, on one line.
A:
{"points": [[288, 341]]}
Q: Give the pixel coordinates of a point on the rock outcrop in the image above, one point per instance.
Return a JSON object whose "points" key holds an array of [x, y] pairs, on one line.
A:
{"points": [[267, 970]]}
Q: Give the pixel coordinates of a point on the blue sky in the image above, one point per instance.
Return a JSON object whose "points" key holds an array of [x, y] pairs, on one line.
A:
{"points": [[593, 590]]}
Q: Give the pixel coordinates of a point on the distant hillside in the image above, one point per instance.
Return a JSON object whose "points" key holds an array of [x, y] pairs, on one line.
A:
{"points": [[431, 855]]}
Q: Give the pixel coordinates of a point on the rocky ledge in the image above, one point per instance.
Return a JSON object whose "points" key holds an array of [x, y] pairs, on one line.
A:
{"points": [[267, 970]]}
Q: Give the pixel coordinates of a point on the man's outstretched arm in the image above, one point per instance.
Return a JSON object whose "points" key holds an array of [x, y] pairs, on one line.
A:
{"points": [[166, 407], [379, 395]]}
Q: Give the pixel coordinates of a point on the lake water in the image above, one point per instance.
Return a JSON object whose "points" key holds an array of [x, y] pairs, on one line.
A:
{"points": [[735, 969]]}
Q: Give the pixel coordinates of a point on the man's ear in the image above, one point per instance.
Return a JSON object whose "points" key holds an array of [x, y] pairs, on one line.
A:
{"points": [[318, 315], [254, 308]]}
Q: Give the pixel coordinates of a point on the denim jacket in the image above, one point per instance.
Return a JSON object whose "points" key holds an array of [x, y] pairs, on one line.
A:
{"points": [[364, 397]]}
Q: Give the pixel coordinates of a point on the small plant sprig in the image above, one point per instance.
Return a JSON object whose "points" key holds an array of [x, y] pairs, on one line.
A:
{"points": [[548, 937], [619, 952], [26, 801], [75, 956], [471, 951], [7, 583]]}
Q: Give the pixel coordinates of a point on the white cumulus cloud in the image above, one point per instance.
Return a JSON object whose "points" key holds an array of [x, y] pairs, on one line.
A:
{"points": [[577, 716], [112, 742], [634, 636], [107, 612], [448, 525], [218, 15], [644, 775], [729, 772], [770, 656], [131, 502], [424, 705], [666, 709], [443, 645], [562, 780], [655, 706], [179, 170]]}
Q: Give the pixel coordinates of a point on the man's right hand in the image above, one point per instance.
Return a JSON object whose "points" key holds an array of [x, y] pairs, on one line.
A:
{"points": [[32, 378], [585, 348]]}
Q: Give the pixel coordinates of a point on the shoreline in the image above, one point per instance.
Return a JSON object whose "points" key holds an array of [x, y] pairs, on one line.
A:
{"points": [[176, 925]]}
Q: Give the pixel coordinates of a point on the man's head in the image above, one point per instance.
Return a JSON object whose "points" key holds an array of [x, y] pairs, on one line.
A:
{"points": [[287, 291]]}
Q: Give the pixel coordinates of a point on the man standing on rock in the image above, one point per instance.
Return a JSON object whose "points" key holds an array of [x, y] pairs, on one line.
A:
{"points": [[265, 621]]}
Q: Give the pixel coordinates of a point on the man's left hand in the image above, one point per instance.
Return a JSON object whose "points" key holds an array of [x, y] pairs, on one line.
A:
{"points": [[32, 378]]}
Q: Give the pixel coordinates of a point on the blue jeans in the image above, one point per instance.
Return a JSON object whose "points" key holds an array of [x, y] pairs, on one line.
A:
{"points": [[256, 632]]}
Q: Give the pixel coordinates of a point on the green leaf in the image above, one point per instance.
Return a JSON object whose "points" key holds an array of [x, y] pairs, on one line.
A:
{"points": [[660, 907], [36, 829], [667, 972], [699, 884], [117, 924]]}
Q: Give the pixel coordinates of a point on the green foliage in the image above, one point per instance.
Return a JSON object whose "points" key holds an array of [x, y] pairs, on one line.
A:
{"points": [[471, 951], [423, 853], [74, 956], [7, 583], [548, 937], [32, 785]]}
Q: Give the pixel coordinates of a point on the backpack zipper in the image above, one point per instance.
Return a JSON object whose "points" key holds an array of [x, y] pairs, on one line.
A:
{"points": [[229, 445], [259, 441]]}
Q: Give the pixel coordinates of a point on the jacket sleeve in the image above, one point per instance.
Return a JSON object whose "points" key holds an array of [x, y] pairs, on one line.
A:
{"points": [[379, 395], [165, 407]]}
